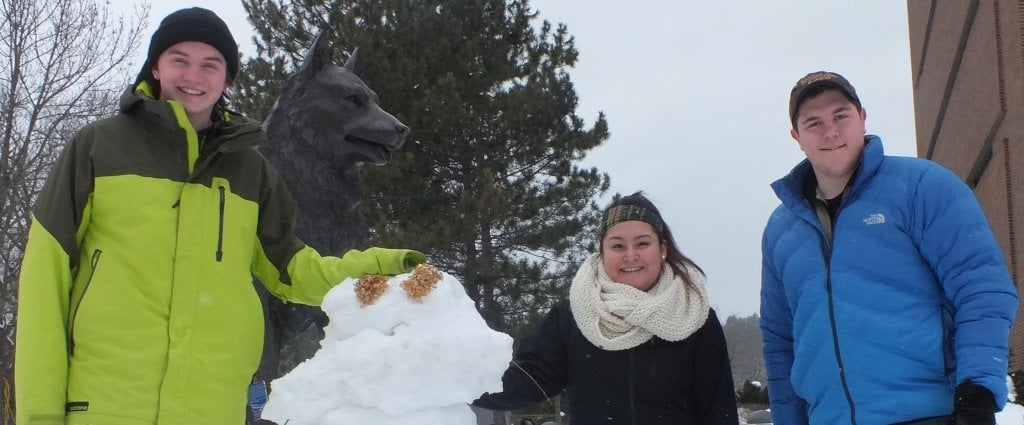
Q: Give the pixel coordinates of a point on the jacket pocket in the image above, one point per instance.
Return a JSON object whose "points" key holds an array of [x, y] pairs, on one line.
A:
{"points": [[94, 263]]}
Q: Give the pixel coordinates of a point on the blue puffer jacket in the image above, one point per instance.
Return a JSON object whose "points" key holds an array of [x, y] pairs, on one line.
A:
{"points": [[911, 298]]}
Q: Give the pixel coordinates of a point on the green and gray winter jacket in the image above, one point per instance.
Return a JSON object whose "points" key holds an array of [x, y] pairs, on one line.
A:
{"points": [[136, 300]]}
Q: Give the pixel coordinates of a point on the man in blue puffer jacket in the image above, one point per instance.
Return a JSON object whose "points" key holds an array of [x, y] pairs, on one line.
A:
{"points": [[885, 298]]}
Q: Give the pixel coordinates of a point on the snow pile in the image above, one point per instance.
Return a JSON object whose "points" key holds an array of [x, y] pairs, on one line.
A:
{"points": [[395, 361], [1012, 414]]}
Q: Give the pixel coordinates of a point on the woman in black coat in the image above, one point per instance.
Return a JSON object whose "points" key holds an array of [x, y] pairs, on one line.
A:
{"points": [[635, 343]]}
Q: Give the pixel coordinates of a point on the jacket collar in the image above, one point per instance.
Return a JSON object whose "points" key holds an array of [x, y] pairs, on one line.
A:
{"points": [[790, 188], [234, 132]]}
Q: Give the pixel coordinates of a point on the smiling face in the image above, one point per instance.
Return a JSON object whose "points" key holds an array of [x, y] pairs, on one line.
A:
{"points": [[830, 131], [632, 254], [194, 74]]}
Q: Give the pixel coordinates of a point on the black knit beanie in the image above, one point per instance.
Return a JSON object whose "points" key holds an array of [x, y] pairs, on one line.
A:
{"points": [[192, 24]]}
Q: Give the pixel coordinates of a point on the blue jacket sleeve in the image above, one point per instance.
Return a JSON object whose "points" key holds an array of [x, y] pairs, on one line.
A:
{"points": [[777, 331], [955, 238]]}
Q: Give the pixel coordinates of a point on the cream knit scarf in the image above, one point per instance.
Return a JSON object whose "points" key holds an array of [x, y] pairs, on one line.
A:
{"points": [[615, 316]]}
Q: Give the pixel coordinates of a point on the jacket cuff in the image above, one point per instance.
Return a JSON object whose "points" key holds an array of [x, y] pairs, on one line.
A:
{"points": [[397, 261], [974, 397]]}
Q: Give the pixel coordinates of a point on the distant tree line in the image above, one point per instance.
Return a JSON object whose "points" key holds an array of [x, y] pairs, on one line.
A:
{"points": [[743, 336]]}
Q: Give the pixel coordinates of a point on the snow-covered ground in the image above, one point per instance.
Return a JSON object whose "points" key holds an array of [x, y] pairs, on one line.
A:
{"points": [[1013, 414], [395, 361]]}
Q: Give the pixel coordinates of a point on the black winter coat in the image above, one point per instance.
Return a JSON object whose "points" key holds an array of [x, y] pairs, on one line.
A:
{"points": [[656, 383]]}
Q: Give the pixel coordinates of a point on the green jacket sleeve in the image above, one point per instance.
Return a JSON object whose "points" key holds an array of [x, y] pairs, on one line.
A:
{"points": [[295, 272], [41, 356], [51, 258], [314, 275]]}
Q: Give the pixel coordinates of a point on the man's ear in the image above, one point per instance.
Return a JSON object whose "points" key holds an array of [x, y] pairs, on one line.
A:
{"points": [[794, 134]]}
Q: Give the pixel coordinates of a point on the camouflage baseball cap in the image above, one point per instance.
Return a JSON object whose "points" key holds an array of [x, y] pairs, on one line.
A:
{"points": [[814, 80]]}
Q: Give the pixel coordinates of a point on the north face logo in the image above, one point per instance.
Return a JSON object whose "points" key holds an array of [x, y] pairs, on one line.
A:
{"points": [[877, 218]]}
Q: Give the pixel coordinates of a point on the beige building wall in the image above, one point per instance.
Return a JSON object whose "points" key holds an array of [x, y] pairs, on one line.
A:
{"points": [[967, 59]]}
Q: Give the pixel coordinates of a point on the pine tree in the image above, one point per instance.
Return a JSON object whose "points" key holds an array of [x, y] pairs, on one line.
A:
{"points": [[489, 183], [751, 393]]}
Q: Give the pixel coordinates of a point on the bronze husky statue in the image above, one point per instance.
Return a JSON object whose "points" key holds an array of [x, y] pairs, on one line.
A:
{"points": [[325, 125]]}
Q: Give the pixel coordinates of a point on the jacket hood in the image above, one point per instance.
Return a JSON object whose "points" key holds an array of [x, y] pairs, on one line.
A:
{"points": [[235, 131]]}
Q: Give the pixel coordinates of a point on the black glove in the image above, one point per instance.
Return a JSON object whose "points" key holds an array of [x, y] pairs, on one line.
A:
{"points": [[973, 404]]}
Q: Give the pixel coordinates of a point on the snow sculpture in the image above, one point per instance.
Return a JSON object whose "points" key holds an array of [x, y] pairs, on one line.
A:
{"points": [[395, 354]]}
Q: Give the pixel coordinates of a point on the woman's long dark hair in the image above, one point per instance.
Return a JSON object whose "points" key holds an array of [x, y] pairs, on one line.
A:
{"points": [[676, 260]]}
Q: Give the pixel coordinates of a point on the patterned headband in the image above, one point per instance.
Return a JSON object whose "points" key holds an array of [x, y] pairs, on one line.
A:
{"points": [[620, 213]]}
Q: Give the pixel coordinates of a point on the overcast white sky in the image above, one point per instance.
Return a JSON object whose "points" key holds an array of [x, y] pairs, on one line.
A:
{"points": [[696, 94]]}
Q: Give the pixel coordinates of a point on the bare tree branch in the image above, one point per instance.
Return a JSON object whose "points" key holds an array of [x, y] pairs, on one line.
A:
{"points": [[62, 65]]}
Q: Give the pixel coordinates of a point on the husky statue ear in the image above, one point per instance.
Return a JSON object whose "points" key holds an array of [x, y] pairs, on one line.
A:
{"points": [[321, 54], [355, 63], [318, 56]]}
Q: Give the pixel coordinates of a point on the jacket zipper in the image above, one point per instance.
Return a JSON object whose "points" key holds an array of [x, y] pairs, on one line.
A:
{"points": [[826, 250], [219, 254], [220, 227], [93, 263]]}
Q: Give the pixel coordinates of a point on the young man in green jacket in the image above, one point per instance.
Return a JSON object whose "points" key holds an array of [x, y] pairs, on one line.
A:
{"points": [[135, 302]]}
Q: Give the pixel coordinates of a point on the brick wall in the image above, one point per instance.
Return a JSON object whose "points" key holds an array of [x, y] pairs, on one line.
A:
{"points": [[967, 59]]}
